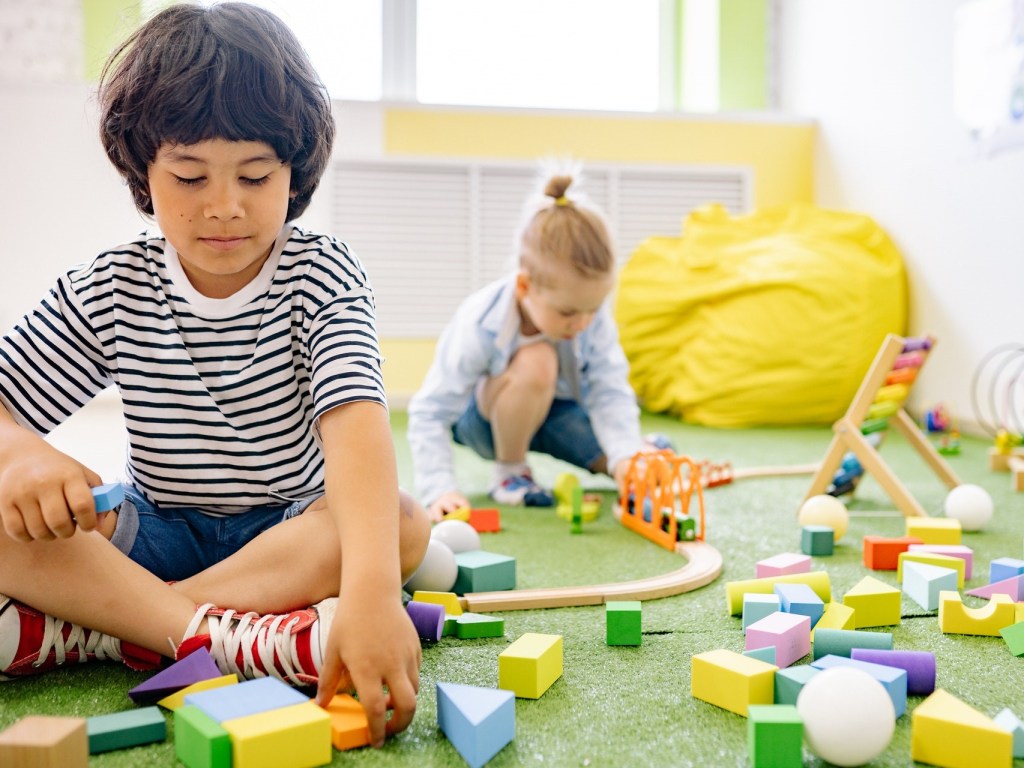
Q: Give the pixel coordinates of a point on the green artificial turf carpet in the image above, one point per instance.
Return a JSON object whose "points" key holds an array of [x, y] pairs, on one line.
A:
{"points": [[631, 706]]}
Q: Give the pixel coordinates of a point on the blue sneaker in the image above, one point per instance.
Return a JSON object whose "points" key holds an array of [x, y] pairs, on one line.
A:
{"points": [[521, 490]]}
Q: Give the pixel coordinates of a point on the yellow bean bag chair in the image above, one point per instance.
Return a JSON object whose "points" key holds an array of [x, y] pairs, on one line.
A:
{"points": [[767, 319]]}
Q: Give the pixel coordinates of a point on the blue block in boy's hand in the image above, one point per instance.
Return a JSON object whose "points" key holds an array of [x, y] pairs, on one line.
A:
{"points": [[108, 496]]}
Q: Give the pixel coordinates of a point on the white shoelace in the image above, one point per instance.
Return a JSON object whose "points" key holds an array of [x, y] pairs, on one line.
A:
{"points": [[268, 637], [84, 641]]}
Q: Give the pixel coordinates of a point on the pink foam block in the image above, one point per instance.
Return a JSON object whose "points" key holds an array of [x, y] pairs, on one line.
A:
{"points": [[919, 666], [1014, 587], [950, 550], [790, 633], [780, 565]]}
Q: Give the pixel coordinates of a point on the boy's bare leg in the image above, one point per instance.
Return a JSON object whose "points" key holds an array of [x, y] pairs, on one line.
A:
{"points": [[296, 563], [517, 401]]}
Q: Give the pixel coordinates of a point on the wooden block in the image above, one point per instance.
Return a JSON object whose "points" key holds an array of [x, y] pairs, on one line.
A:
{"points": [[731, 680], [945, 731], [922, 583], [530, 665], [177, 699], [950, 550], [195, 667], [481, 571], [789, 633], [295, 736], [479, 722], [1014, 637], [817, 540], [935, 530], [801, 599], [120, 730], [476, 625], [790, 681], [836, 616], [756, 606], [199, 740], [775, 736], [247, 698], [881, 554], [782, 564], [735, 590], [893, 679], [931, 558], [1002, 568], [623, 619], [1008, 721], [957, 619], [841, 642], [41, 741], [449, 600], [875, 602], [350, 728], [485, 520]]}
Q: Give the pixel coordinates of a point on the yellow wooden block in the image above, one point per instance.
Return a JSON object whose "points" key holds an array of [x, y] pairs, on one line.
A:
{"points": [[349, 725], [459, 513], [44, 741], [875, 603], [530, 665], [955, 618], [958, 564], [947, 732], [298, 736], [836, 616], [935, 530], [176, 700], [449, 600], [734, 590], [731, 680]]}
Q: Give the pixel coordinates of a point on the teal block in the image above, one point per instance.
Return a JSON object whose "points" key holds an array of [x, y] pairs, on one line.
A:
{"points": [[775, 736], [119, 730], [767, 653], [481, 571], [841, 642], [756, 606], [199, 740], [790, 681], [623, 620], [474, 625], [817, 540]]}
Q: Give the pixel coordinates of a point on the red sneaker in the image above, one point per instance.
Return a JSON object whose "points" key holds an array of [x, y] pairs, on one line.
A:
{"points": [[286, 646], [32, 642]]}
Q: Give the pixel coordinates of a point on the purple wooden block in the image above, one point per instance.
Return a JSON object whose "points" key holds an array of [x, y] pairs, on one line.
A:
{"points": [[790, 633], [951, 550], [195, 667], [428, 618], [919, 665]]}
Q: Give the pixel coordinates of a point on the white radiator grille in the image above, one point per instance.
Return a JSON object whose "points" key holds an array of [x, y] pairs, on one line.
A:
{"points": [[429, 233]]}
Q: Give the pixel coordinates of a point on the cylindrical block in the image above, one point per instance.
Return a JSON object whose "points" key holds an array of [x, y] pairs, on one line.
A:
{"points": [[428, 618], [841, 642], [919, 665]]}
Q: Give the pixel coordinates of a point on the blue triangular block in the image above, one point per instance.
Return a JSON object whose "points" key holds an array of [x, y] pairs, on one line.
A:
{"points": [[477, 721]]}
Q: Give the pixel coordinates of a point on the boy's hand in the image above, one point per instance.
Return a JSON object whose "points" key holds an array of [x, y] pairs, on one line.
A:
{"points": [[445, 504], [373, 645], [44, 494]]}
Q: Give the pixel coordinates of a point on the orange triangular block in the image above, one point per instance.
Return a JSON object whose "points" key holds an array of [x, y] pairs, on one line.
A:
{"points": [[946, 731]]}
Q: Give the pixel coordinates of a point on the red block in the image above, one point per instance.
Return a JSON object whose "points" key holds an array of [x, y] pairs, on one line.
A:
{"points": [[882, 554], [485, 520]]}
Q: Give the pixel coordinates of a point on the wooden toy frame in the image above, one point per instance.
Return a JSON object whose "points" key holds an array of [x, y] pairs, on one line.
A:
{"points": [[848, 436]]}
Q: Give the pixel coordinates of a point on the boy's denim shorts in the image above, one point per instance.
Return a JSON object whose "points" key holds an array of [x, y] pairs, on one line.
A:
{"points": [[178, 542], [565, 434]]}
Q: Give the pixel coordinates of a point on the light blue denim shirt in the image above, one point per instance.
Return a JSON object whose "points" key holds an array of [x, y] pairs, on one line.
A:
{"points": [[479, 341]]}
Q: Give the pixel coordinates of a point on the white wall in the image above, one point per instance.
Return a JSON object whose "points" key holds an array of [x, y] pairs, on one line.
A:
{"points": [[878, 77]]}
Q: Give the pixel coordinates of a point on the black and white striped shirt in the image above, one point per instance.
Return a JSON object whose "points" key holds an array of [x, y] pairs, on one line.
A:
{"points": [[220, 395]]}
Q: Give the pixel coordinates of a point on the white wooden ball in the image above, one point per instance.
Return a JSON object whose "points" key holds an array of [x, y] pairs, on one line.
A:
{"points": [[848, 717], [457, 534], [971, 505], [825, 510], [437, 572]]}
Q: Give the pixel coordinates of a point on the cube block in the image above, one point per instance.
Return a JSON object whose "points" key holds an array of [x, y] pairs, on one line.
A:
{"points": [[199, 740], [530, 665], [42, 741], [481, 571], [817, 540], [623, 620], [775, 735]]}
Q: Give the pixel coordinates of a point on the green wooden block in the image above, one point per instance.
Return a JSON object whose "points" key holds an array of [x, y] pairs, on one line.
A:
{"points": [[623, 622], [817, 540], [790, 681], [473, 625], [451, 624], [775, 735], [119, 730], [199, 740], [481, 571], [1014, 637]]}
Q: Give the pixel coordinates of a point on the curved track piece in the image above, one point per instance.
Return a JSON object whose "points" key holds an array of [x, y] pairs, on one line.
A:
{"points": [[704, 564]]}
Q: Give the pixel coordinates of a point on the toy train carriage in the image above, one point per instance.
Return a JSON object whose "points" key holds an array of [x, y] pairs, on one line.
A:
{"points": [[655, 497]]}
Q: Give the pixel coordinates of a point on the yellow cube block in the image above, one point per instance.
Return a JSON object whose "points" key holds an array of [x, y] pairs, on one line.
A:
{"points": [[958, 564], [836, 616], [731, 680], [530, 665], [875, 603], [945, 731], [935, 530], [449, 600], [955, 618], [734, 590], [296, 736]]}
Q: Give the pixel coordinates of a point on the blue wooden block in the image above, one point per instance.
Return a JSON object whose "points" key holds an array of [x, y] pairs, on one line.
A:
{"points": [[790, 681], [477, 721], [108, 496], [756, 606], [893, 679], [119, 730], [1003, 568], [481, 571], [195, 667], [247, 698], [800, 599]]}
